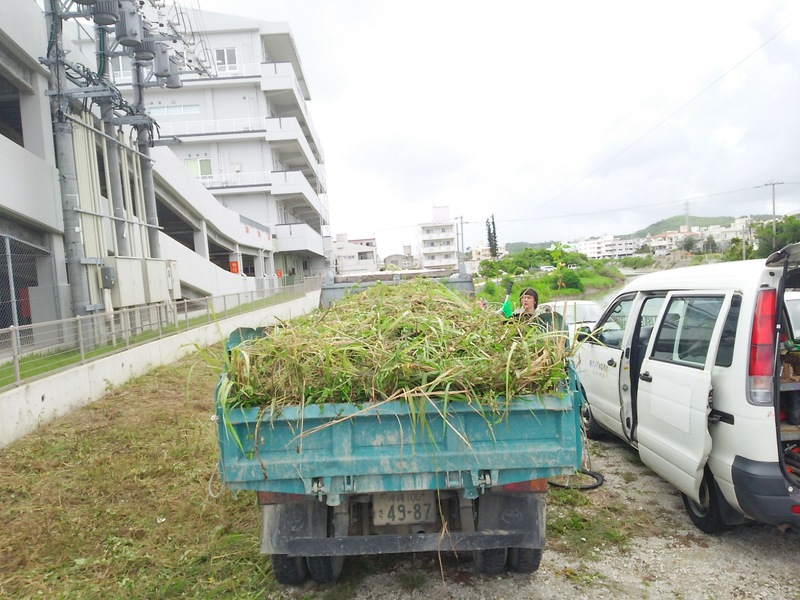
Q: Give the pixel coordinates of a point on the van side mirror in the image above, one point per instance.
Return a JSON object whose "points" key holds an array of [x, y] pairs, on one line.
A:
{"points": [[583, 333]]}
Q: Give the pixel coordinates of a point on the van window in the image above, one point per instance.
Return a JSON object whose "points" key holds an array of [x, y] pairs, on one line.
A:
{"points": [[725, 351], [685, 332], [610, 330]]}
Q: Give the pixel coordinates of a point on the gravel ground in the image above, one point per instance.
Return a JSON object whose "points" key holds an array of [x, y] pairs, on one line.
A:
{"points": [[678, 561]]}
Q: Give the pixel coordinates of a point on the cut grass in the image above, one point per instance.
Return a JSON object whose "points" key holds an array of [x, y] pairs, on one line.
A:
{"points": [[113, 501]]}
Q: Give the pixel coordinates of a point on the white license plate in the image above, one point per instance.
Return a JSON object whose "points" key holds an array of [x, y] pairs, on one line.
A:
{"points": [[404, 508]]}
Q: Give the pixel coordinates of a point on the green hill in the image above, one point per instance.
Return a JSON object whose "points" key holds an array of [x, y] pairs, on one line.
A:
{"points": [[670, 224], [675, 223]]}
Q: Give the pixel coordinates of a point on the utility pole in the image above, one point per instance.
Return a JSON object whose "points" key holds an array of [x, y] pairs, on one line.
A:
{"points": [[67, 169], [774, 230], [144, 140], [115, 178]]}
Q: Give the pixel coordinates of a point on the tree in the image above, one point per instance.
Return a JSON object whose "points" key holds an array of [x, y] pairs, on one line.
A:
{"points": [[787, 231], [491, 237], [488, 268], [735, 251], [688, 243], [567, 278], [710, 245]]}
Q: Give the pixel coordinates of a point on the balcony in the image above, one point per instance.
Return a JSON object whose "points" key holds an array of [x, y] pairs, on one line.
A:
{"points": [[296, 237], [439, 249], [448, 235], [212, 126], [253, 179], [443, 263], [286, 136], [296, 192]]}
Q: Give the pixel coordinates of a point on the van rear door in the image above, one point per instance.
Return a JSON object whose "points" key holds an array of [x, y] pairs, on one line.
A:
{"points": [[675, 392]]}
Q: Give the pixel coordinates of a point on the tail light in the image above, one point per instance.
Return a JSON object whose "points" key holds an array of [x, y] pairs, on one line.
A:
{"points": [[761, 369]]}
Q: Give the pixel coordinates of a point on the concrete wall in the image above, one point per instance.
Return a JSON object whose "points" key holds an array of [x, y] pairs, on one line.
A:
{"points": [[35, 403]]}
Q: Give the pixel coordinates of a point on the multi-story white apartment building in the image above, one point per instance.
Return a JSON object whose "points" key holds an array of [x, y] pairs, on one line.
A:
{"points": [[246, 134], [103, 218], [605, 247], [439, 241], [354, 256]]}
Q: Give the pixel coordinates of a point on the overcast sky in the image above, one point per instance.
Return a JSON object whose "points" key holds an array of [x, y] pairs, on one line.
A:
{"points": [[560, 118]]}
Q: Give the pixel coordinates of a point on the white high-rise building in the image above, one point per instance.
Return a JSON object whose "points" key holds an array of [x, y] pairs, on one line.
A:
{"points": [[439, 241], [220, 191], [246, 134]]}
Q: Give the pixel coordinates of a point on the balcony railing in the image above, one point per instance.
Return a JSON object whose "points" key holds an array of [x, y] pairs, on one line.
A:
{"points": [[222, 180], [212, 126]]}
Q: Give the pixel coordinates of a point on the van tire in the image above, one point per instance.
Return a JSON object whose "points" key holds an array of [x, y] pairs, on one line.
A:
{"points": [[706, 515], [590, 426]]}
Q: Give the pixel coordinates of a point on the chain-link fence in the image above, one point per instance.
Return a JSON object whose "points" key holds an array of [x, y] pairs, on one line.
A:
{"points": [[20, 265], [33, 350]]}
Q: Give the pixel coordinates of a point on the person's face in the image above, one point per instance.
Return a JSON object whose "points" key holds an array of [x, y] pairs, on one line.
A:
{"points": [[528, 303]]}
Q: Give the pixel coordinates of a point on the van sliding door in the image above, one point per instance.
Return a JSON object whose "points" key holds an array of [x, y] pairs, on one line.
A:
{"points": [[674, 396]]}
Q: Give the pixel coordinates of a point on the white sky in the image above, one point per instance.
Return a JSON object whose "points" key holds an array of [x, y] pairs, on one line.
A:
{"points": [[560, 118]]}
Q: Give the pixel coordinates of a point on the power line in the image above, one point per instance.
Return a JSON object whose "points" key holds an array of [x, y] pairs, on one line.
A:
{"points": [[667, 118]]}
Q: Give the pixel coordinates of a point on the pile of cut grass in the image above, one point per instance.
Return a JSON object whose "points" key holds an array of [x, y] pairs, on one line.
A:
{"points": [[417, 339]]}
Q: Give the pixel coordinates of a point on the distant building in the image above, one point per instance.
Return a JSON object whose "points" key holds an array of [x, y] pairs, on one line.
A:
{"points": [[439, 241], [606, 247], [401, 261], [354, 256], [483, 252]]}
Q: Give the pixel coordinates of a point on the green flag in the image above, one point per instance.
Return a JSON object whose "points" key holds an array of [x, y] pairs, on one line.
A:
{"points": [[508, 308]]}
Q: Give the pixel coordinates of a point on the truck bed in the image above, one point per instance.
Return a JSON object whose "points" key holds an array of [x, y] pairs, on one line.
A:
{"points": [[340, 449]]}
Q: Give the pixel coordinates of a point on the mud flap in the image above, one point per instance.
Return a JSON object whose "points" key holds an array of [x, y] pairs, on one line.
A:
{"points": [[283, 522]]}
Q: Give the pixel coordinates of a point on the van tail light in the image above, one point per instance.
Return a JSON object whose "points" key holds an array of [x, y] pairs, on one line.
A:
{"points": [[761, 370], [534, 485]]}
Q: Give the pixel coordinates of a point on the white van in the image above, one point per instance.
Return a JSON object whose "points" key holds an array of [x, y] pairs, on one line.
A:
{"points": [[685, 365]]}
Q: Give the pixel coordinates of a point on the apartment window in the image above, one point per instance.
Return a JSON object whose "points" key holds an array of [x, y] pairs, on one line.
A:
{"points": [[121, 68], [225, 59], [199, 167]]}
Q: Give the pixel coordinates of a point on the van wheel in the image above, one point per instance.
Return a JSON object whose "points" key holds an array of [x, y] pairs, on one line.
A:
{"points": [[706, 514], [590, 426]]}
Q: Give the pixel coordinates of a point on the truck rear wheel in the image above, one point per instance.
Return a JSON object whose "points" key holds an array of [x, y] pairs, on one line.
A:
{"points": [[289, 570], [325, 569], [524, 560], [489, 562]]}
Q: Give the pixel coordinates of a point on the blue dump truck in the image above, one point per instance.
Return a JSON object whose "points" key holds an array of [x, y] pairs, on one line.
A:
{"points": [[337, 480]]}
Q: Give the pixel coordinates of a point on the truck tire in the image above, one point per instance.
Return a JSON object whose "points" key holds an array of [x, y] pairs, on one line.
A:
{"points": [[524, 560], [489, 562], [289, 570], [325, 569]]}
